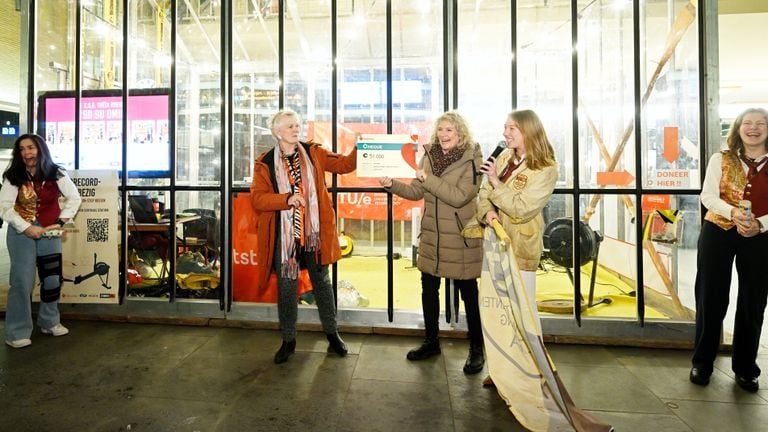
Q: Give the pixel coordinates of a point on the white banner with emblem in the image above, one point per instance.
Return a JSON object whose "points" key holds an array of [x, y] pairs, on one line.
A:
{"points": [[517, 359]]}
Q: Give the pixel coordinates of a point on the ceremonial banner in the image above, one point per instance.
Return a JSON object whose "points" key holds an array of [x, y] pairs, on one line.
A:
{"points": [[519, 365]]}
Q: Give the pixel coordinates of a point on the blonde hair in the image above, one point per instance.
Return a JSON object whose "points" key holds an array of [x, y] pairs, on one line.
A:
{"points": [[277, 119], [465, 136], [538, 150]]}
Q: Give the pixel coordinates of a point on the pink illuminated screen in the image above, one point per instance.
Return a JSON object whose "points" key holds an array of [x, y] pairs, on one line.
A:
{"points": [[101, 133]]}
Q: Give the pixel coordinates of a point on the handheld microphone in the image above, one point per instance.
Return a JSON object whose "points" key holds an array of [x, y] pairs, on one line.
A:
{"points": [[500, 147]]}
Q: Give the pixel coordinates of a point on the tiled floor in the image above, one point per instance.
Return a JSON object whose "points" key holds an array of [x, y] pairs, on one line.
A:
{"points": [[141, 377]]}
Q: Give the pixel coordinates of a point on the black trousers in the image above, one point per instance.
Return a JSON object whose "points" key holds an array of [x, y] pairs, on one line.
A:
{"points": [[430, 303], [717, 250]]}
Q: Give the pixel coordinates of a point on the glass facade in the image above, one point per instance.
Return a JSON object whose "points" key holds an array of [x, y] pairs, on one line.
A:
{"points": [[616, 84]]}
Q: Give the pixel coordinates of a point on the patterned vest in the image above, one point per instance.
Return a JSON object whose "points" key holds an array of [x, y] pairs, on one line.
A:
{"points": [[734, 187], [38, 201]]}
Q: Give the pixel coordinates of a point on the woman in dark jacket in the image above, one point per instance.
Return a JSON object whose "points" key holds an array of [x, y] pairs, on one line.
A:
{"points": [[447, 181]]}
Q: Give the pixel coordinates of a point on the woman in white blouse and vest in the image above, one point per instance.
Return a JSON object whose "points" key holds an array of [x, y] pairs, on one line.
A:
{"points": [[729, 232], [30, 203]]}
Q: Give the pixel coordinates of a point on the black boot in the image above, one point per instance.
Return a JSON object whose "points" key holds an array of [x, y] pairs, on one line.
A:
{"points": [[475, 359], [428, 348], [336, 344], [285, 351]]}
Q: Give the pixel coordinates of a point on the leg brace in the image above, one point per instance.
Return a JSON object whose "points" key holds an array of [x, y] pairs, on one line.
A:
{"points": [[48, 266]]}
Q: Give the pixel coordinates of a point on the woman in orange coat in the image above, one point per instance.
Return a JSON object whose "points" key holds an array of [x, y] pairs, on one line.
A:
{"points": [[296, 225]]}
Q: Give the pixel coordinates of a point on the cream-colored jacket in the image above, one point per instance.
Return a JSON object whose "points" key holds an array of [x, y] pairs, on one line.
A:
{"points": [[519, 202]]}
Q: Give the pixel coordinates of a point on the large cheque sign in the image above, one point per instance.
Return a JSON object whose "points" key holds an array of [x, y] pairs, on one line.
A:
{"points": [[386, 156]]}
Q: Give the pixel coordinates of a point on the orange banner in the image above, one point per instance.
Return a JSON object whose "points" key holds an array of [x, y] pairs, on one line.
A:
{"points": [[244, 243], [373, 206], [351, 205]]}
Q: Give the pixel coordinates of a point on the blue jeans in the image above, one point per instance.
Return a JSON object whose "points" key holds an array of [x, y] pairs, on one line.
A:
{"points": [[23, 252]]}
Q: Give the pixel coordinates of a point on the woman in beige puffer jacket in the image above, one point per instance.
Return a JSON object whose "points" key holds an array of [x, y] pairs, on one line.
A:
{"points": [[447, 181]]}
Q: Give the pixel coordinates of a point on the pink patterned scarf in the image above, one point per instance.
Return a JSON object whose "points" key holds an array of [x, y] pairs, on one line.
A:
{"points": [[298, 227]]}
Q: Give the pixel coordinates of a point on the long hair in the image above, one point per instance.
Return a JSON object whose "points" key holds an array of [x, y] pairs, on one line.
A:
{"points": [[465, 136], [735, 144], [538, 150], [16, 173]]}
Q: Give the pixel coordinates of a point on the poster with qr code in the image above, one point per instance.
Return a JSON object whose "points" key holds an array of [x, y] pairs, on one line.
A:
{"points": [[89, 244]]}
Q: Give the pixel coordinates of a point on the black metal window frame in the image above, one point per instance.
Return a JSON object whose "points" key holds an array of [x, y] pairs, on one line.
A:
{"points": [[451, 71]]}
